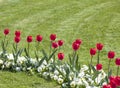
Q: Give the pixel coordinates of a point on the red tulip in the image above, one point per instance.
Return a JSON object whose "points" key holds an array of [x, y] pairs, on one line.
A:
{"points": [[98, 66], [117, 61], [54, 44], [17, 39], [60, 42], [106, 86], [117, 79], [99, 46], [52, 37], [92, 51], [60, 56], [79, 41], [29, 39], [39, 38], [6, 31], [75, 46], [17, 33], [113, 84], [111, 54]]}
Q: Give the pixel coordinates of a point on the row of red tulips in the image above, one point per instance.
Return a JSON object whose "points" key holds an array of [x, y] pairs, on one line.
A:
{"points": [[113, 81]]}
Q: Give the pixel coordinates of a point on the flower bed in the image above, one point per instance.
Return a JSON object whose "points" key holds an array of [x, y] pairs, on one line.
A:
{"points": [[68, 74]]}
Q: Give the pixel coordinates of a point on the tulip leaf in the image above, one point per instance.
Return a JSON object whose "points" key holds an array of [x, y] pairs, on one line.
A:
{"points": [[52, 54], [110, 73], [41, 61], [70, 60], [26, 52], [93, 68], [45, 54]]}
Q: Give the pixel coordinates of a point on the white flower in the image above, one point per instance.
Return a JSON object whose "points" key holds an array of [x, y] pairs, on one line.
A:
{"points": [[71, 74], [18, 69], [51, 75], [56, 72], [29, 68], [43, 67], [45, 74], [60, 81], [55, 77], [1, 62], [81, 74], [85, 82], [3, 66], [79, 82], [39, 69], [60, 76], [44, 62], [50, 68], [84, 68], [8, 64], [33, 61], [72, 84], [24, 69], [10, 57]]}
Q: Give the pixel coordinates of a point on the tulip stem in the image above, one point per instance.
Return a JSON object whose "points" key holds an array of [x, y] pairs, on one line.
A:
{"points": [[37, 47], [28, 48], [91, 60], [59, 48], [109, 66], [117, 70], [16, 47], [50, 47], [98, 57], [4, 42]]}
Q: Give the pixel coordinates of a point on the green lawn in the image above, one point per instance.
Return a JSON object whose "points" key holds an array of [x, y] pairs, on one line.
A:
{"points": [[91, 20]]}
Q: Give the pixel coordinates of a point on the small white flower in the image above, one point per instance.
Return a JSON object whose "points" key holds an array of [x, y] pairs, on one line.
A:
{"points": [[43, 67], [39, 69], [24, 69], [56, 72], [84, 68], [55, 77], [18, 69], [45, 74], [60, 76], [71, 74], [1, 62], [51, 75], [10, 57], [50, 68], [79, 82], [81, 74], [72, 84], [3, 66], [29, 68], [60, 81], [85, 82], [8, 64]]}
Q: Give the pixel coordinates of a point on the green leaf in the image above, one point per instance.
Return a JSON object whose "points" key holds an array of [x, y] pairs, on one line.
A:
{"points": [[45, 54], [110, 73], [106, 79], [96, 74], [41, 61], [93, 68], [20, 52], [70, 60], [52, 55], [36, 56], [26, 52]]}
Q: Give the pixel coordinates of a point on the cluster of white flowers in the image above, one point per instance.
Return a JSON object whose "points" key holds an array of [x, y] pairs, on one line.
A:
{"points": [[56, 73]]}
